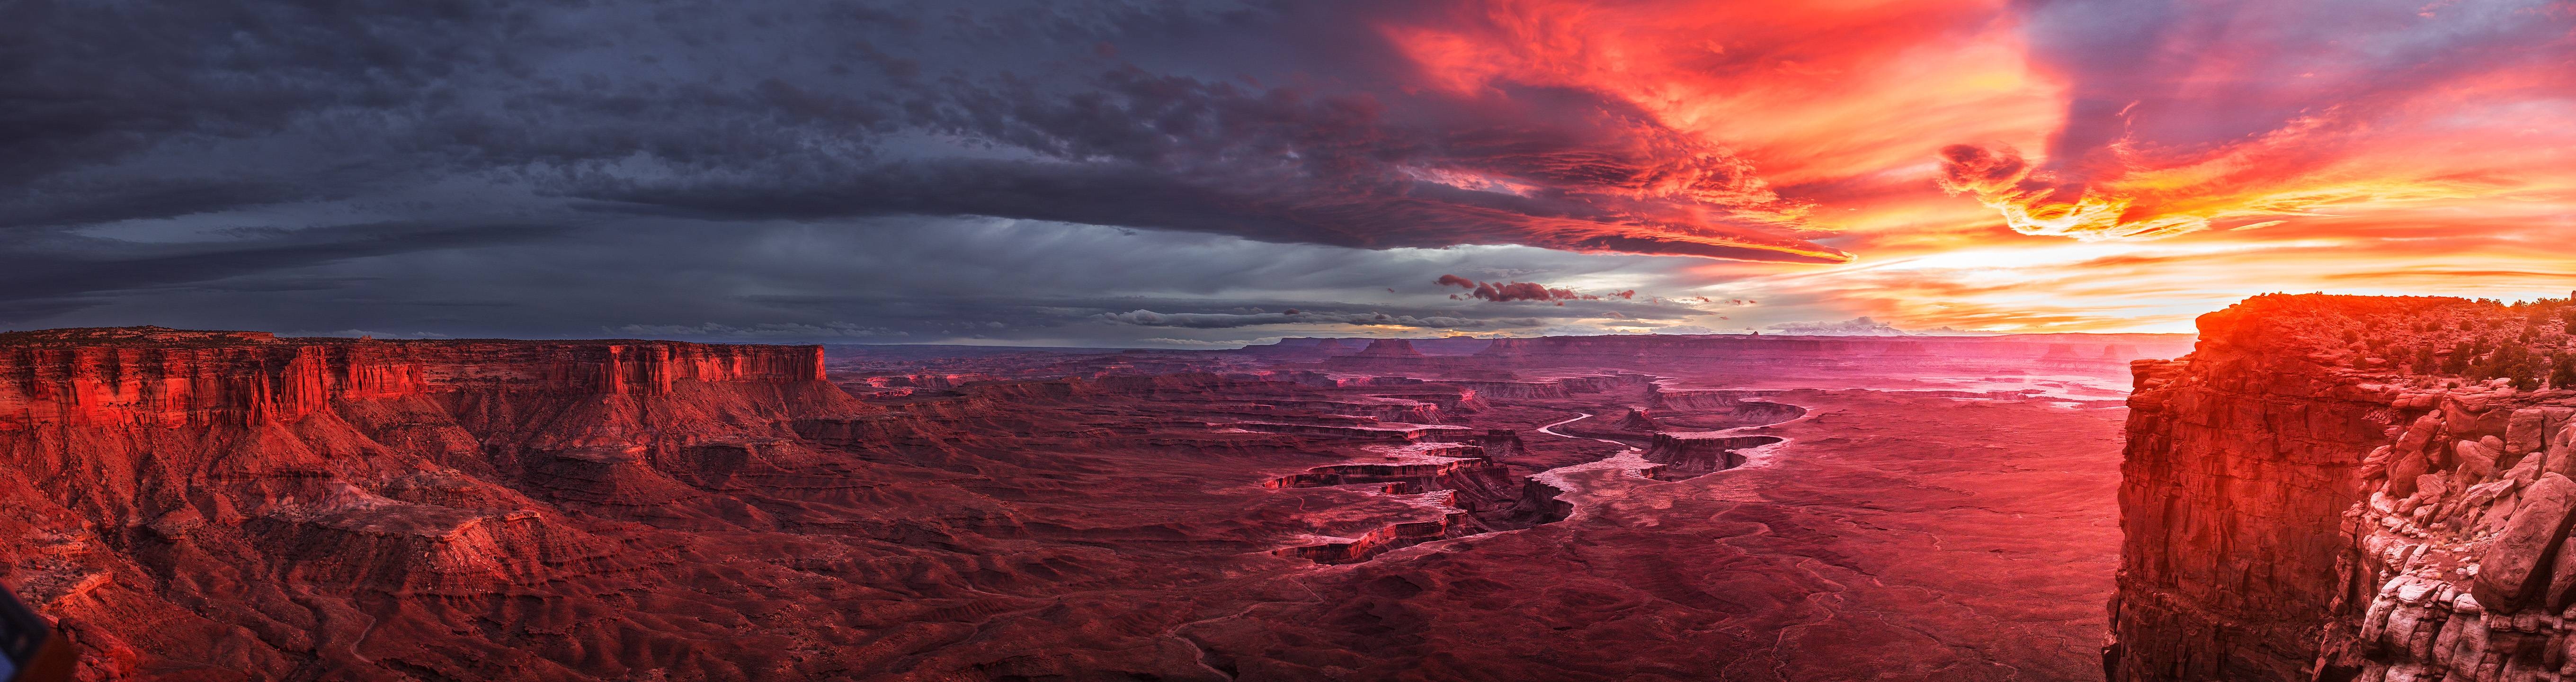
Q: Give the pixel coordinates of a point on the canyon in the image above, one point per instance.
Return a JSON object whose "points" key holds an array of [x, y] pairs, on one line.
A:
{"points": [[237, 506]]}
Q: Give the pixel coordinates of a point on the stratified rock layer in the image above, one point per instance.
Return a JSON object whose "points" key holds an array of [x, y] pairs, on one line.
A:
{"points": [[2350, 488], [220, 505]]}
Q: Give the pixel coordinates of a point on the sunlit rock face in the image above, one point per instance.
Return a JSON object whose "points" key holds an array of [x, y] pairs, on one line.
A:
{"points": [[249, 503], [2352, 488]]}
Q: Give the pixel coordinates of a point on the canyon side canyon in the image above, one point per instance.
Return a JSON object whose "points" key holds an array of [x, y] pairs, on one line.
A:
{"points": [[2316, 487]]}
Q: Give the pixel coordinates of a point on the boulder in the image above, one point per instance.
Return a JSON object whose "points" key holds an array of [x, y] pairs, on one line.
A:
{"points": [[2401, 478], [2562, 451], [2421, 433], [2525, 472], [2477, 462], [2467, 416], [2525, 433], [2516, 566], [2562, 578]]}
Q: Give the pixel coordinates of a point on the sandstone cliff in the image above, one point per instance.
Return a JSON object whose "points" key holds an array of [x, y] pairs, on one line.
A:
{"points": [[230, 496], [2352, 488]]}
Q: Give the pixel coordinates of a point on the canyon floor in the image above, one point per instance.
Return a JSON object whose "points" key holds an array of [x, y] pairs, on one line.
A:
{"points": [[239, 507], [1891, 537], [1908, 525]]}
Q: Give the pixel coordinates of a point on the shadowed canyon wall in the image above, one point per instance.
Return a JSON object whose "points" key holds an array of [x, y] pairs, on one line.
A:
{"points": [[2351, 488]]}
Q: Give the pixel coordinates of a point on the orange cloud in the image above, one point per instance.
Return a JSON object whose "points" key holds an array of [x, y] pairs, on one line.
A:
{"points": [[2180, 156], [2227, 115]]}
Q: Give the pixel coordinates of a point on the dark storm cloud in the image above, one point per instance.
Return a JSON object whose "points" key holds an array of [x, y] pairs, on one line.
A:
{"points": [[1506, 292], [1276, 165], [800, 170], [900, 281], [41, 264], [729, 111]]}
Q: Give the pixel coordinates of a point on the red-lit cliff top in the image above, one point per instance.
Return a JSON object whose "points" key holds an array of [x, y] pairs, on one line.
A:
{"points": [[2403, 336], [165, 337], [153, 336]]}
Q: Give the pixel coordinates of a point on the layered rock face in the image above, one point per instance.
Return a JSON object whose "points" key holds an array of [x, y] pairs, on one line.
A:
{"points": [[1685, 456], [228, 497], [2352, 488]]}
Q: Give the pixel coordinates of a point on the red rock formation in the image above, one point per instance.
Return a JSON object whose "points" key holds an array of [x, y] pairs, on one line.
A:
{"points": [[1477, 494], [1690, 455], [2297, 506], [1375, 542], [228, 496]]}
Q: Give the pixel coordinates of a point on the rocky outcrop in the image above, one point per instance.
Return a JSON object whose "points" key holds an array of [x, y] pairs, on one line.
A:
{"points": [[1459, 479], [1691, 455], [1716, 409], [1382, 540], [1482, 484], [2323, 490]]}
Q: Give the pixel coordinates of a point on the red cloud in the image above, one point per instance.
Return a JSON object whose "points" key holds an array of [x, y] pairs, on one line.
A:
{"points": [[2327, 111]]}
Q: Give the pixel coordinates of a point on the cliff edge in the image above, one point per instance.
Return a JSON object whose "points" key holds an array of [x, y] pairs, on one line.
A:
{"points": [[2352, 488]]}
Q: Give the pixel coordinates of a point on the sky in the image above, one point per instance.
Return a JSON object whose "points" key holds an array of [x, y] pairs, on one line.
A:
{"points": [[1210, 174]]}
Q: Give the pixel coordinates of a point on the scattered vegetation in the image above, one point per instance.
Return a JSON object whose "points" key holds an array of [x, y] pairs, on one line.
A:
{"points": [[2531, 345]]}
